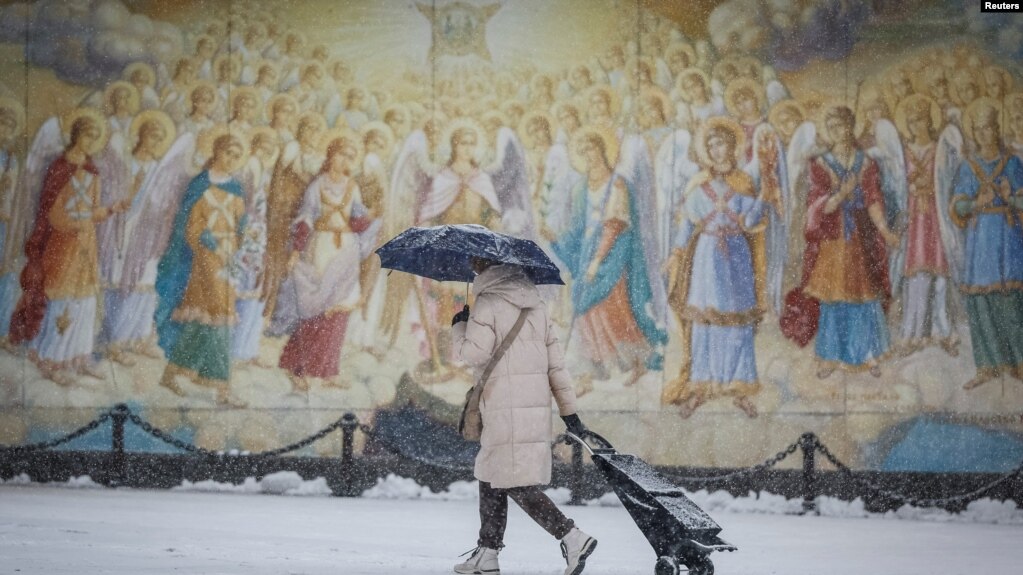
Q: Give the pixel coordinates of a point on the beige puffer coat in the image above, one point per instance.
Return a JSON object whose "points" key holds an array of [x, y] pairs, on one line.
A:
{"points": [[515, 448]]}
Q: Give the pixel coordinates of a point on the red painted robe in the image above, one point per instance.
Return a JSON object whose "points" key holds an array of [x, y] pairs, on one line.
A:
{"points": [[28, 315]]}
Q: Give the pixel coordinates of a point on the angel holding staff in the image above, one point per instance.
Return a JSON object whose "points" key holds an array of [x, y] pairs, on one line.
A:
{"points": [[57, 312], [987, 204], [712, 271]]}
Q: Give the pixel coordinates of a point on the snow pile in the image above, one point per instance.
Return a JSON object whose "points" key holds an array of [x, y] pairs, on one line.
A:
{"points": [[280, 483], [81, 482], [20, 479], [401, 488]]}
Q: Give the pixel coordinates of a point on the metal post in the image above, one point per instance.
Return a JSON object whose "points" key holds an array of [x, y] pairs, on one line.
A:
{"points": [[577, 474], [118, 464], [349, 423], [808, 443]]}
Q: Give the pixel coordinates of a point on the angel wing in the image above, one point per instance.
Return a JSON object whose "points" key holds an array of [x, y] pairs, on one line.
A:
{"points": [[776, 92], [559, 183], [636, 169], [154, 210], [674, 169], [888, 154], [802, 147], [46, 147], [333, 110], [115, 185], [947, 158], [410, 184], [770, 174], [510, 175]]}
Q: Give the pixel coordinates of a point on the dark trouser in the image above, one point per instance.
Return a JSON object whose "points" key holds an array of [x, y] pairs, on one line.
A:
{"points": [[494, 513]]}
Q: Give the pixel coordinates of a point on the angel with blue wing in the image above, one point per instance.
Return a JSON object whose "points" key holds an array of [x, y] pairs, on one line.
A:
{"points": [[610, 250], [764, 157], [924, 260], [712, 277]]}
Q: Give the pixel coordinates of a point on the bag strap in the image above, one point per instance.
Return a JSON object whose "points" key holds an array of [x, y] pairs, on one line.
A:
{"points": [[505, 344]]}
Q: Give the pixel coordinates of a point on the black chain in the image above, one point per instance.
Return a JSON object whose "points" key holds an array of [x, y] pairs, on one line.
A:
{"points": [[915, 501], [88, 427], [747, 471]]}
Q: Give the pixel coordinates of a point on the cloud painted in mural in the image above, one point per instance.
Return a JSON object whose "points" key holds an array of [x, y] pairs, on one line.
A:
{"points": [[1004, 31], [88, 41], [788, 33]]}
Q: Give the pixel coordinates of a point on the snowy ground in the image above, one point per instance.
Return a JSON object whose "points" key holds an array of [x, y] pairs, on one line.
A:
{"points": [[47, 531]]}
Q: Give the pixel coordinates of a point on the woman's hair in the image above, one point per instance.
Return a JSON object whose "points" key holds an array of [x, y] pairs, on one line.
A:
{"points": [[144, 130]]}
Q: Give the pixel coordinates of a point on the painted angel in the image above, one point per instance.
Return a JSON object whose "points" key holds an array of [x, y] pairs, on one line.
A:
{"points": [[13, 196]]}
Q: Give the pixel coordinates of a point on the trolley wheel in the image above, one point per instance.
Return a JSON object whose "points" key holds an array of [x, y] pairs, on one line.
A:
{"points": [[701, 565], [666, 566]]}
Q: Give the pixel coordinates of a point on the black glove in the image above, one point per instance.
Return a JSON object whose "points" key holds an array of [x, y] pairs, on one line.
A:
{"points": [[461, 316], [574, 424]]}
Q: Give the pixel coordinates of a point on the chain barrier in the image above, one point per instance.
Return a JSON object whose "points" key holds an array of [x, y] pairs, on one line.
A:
{"points": [[914, 501], [57, 442], [744, 472]]}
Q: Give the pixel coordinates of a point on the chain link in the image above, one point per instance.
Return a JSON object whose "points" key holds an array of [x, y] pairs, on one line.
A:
{"points": [[914, 501], [50, 444], [778, 457]]}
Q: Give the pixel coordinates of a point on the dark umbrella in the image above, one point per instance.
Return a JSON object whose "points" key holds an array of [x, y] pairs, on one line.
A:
{"points": [[442, 253]]}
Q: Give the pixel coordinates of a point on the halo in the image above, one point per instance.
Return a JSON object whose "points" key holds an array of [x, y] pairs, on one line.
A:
{"points": [[444, 150], [8, 103], [399, 107], [969, 75], [667, 106], [239, 92], [383, 129], [612, 96], [684, 47], [719, 122], [1012, 101], [203, 84], [68, 121], [260, 64], [310, 65], [237, 71], [774, 116], [718, 70], [611, 147], [750, 64], [277, 99], [916, 101], [1006, 77], [134, 67], [311, 116], [342, 134], [920, 79], [160, 117], [744, 84], [530, 117], [202, 38], [822, 112], [971, 112], [693, 71], [204, 144], [264, 131], [133, 96], [869, 95]]}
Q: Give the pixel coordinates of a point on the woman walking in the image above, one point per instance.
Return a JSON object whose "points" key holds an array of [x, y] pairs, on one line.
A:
{"points": [[515, 447]]}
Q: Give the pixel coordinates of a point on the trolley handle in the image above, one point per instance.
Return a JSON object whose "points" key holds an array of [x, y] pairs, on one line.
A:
{"points": [[605, 449]]}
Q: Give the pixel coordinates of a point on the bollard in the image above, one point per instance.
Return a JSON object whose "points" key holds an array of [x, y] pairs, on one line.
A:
{"points": [[349, 423], [577, 474], [118, 463], [808, 443]]}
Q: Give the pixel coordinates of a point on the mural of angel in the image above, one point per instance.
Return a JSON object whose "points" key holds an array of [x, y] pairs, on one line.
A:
{"points": [[929, 237], [56, 315], [711, 277], [307, 91], [203, 99], [610, 258], [282, 110], [176, 96], [128, 310], [791, 121], [555, 179], [331, 236], [267, 79], [845, 286], [244, 108], [986, 205], [299, 162], [697, 102], [249, 260], [143, 78], [196, 307], [764, 158], [12, 122]]}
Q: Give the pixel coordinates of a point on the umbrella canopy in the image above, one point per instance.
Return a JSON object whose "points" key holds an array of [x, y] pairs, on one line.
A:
{"points": [[442, 253]]}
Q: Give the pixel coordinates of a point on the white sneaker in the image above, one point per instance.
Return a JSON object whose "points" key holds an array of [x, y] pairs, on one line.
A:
{"points": [[482, 562], [575, 548]]}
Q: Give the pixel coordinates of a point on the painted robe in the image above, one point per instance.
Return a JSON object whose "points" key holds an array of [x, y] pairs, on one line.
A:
{"points": [[992, 282], [10, 290], [196, 296], [57, 311], [129, 306], [925, 317], [712, 289], [611, 310], [846, 265], [326, 279], [249, 264]]}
